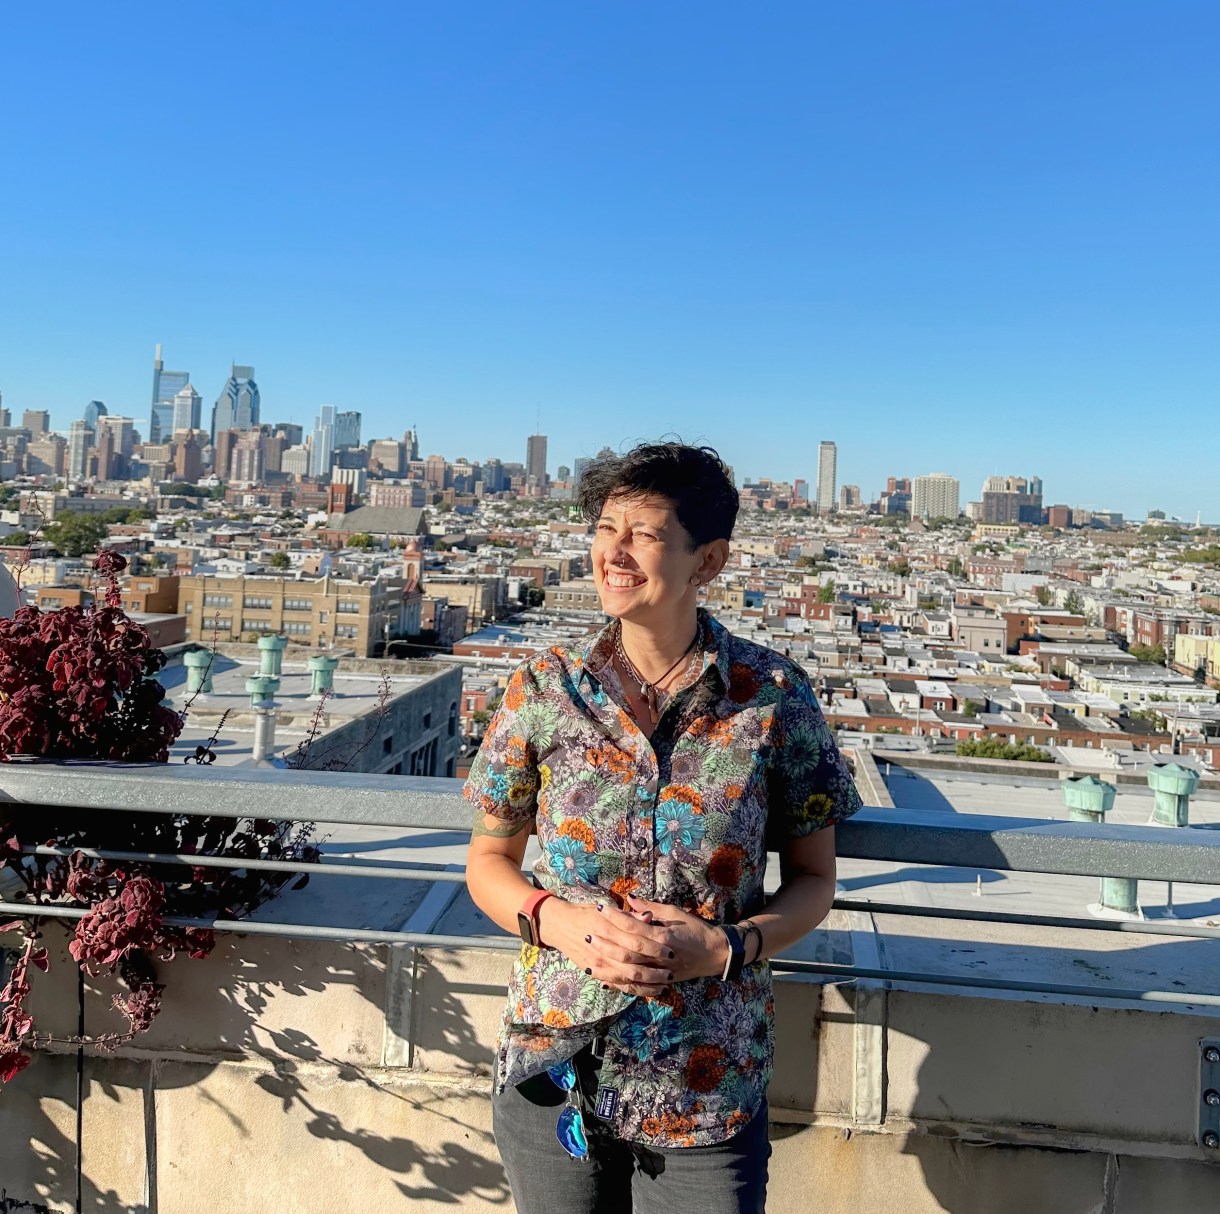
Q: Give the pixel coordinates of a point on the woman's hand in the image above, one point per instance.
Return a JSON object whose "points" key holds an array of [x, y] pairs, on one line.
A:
{"points": [[700, 948], [621, 950]]}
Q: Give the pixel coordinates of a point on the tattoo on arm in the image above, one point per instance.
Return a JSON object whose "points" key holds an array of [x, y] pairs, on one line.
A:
{"points": [[501, 830]]}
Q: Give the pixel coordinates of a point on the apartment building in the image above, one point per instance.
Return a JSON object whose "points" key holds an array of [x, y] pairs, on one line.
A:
{"points": [[317, 612]]}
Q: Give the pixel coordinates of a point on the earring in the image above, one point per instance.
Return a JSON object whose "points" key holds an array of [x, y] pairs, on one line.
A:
{"points": [[695, 580]]}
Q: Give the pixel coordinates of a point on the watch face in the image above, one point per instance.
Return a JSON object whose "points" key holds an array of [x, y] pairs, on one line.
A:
{"points": [[525, 925]]}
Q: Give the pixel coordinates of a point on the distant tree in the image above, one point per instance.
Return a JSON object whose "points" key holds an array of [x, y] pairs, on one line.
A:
{"points": [[1073, 604], [997, 748], [827, 593], [535, 597], [900, 566], [1043, 595], [956, 568], [1148, 653], [279, 560], [361, 539], [970, 708], [74, 534], [16, 539]]}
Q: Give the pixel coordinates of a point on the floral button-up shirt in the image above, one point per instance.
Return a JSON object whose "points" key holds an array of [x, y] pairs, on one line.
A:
{"points": [[741, 761]]}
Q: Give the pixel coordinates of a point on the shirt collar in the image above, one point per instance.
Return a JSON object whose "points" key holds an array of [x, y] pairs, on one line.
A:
{"points": [[714, 642]]}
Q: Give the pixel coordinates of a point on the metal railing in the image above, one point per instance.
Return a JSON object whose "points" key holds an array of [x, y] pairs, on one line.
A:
{"points": [[981, 842]]}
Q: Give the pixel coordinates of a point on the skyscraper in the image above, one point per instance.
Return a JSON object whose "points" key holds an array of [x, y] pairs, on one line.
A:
{"points": [[93, 410], [935, 496], [411, 438], [535, 459], [237, 406], [188, 411], [80, 439], [323, 448], [165, 386], [347, 430], [827, 467]]}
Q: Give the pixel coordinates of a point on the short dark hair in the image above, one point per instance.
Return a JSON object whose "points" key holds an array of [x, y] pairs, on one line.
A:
{"points": [[694, 480]]}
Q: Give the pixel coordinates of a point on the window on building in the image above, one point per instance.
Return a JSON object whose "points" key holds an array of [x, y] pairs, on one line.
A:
{"points": [[218, 600], [298, 605], [349, 608], [349, 631], [323, 617], [387, 744], [296, 628], [218, 623], [428, 720], [453, 719], [249, 625], [190, 609], [256, 601]]}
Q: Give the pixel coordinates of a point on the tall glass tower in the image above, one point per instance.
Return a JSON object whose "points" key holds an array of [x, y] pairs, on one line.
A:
{"points": [[166, 385], [828, 458], [237, 405]]}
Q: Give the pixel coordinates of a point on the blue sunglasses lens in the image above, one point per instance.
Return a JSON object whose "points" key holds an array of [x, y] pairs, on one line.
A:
{"points": [[563, 1076], [571, 1133]]}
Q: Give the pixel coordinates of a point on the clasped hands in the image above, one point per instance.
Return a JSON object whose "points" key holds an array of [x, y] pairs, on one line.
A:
{"points": [[640, 951]]}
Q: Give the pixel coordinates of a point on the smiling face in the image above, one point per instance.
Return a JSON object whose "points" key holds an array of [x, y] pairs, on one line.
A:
{"points": [[643, 562]]}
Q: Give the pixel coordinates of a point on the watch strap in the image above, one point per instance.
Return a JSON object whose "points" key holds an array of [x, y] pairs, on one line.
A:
{"points": [[737, 953], [527, 917]]}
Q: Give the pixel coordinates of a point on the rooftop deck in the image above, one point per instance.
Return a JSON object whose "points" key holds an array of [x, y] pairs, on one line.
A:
{"points": [[950, 1050]]}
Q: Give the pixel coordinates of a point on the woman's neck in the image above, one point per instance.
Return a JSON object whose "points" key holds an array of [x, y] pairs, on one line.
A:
{"points": [[654, 649]]}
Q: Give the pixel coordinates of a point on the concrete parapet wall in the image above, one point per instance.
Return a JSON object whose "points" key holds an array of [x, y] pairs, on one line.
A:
{"points": [[354, 1076]]}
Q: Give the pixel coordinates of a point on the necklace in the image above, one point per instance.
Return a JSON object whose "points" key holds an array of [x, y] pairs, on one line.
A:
{"points": [[649, 690]]}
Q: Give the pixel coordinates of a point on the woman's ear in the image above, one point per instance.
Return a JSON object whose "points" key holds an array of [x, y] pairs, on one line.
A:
{"points": [[715, 557]]}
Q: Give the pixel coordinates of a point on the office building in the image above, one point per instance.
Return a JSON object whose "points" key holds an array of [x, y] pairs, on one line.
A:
{"points": [[165, 387], [93, 410], [188, 459], [411, 439], [1012, 499], [535, 460], [827, 469], [80, 439], [850, 497], [935, 496], [188, 411], [347, 430], [237, 406], [246, 458], [36, 421], [322, 449]]}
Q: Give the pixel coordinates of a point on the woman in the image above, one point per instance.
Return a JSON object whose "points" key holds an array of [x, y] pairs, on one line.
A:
{"points": [[658, 763]]}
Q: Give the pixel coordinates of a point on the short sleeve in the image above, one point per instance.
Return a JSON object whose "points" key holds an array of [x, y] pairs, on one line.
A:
{"points": [[811, 785], [504, 778]]}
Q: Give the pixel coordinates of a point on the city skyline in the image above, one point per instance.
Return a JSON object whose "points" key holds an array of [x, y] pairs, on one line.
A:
{"points": [[878, 231]]}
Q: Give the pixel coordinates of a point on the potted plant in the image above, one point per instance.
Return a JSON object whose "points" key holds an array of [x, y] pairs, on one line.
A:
{"points": [[79, 683]]}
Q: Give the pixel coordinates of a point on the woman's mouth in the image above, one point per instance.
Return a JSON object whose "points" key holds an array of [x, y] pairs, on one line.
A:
{"points": [[622, 581]]}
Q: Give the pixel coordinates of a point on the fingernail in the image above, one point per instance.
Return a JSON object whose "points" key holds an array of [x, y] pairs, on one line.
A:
{"points": [[670, 977], [589, 940], [671, 954], [589, 972]]}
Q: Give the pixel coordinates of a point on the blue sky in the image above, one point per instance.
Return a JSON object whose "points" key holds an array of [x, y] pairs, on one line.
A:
{"points": [[962, 237]]}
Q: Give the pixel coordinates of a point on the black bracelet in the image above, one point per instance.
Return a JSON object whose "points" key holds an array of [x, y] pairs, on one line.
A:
{"points": [[749, 929]]}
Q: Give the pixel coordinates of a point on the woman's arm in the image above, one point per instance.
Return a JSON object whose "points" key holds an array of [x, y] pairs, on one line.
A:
{"points": [[807, 871], [607, 944]]}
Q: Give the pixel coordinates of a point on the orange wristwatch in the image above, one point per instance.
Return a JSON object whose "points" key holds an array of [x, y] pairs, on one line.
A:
{"points": [[527, 917]]}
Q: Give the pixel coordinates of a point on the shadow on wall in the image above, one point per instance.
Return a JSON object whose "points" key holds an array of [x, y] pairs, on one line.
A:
{"points": [[154, 1126]]}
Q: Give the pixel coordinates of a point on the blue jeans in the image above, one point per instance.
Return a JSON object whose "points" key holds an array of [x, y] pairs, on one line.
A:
{"points": [[727, 1178]]}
